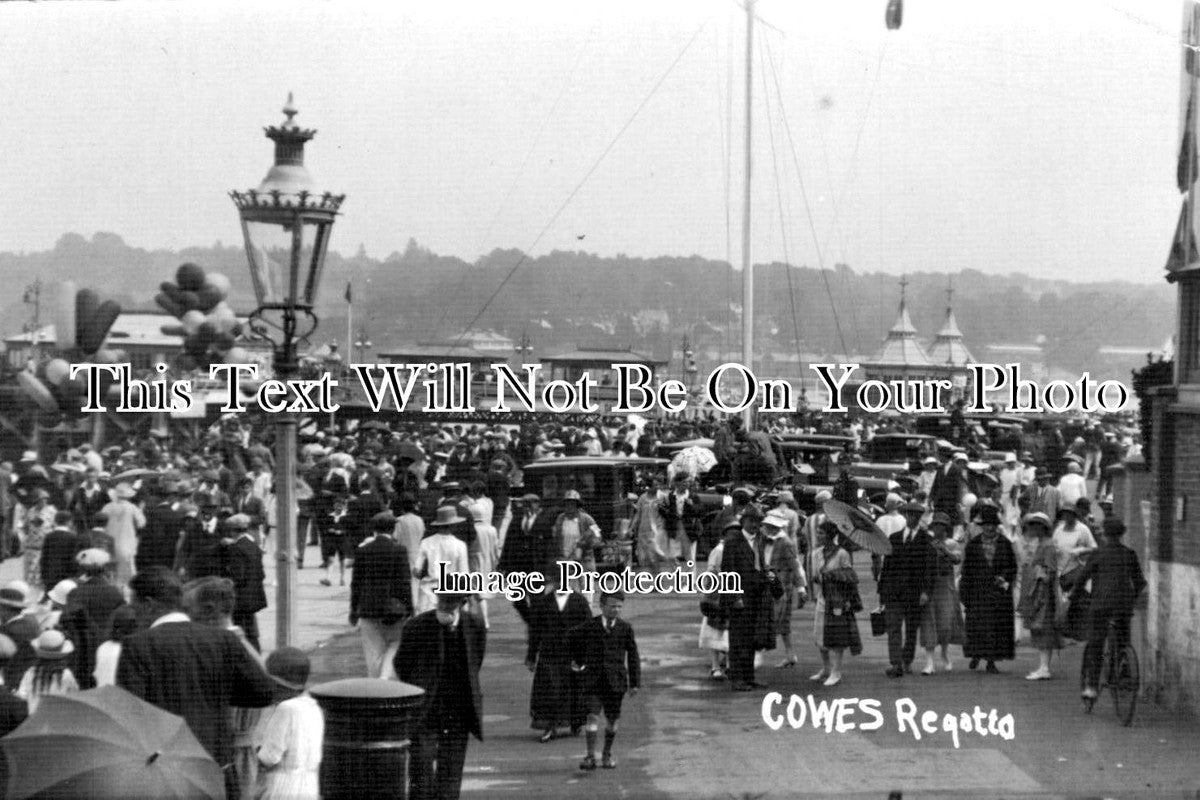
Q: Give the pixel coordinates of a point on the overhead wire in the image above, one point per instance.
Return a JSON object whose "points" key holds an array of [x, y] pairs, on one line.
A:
{"points": [[537, 139], [787, 262], [804, 195], [582, 181]]}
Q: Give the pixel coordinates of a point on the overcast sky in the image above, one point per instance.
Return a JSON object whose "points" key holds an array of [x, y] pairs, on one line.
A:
{"points": [[1000, 136]]}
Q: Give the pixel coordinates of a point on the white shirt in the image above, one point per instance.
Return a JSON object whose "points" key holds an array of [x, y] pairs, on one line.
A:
{"points": [[1071, 487]]}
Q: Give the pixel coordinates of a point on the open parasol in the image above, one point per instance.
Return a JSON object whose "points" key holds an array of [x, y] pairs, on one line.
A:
{"points": [[693, 461], [857, 526], [107, 743]]}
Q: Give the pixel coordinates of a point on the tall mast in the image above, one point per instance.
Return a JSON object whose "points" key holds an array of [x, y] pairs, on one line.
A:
{"points": [[747, 271]]}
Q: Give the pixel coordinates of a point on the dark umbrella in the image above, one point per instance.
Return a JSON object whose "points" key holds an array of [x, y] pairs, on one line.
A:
{"points": [[107, 743], [858, 527]]}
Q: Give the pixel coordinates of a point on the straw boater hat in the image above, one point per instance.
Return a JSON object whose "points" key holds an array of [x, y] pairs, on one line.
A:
{"points": [[13, 597], [238, 522], [1037, 518], [60, 591], [775, 520], [787, 497], [447, 515], [571, 494], [93, 557], [52, 644]]}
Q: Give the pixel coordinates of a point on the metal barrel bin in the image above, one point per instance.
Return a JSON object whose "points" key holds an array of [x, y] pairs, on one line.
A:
{"points": [[367, 725]]}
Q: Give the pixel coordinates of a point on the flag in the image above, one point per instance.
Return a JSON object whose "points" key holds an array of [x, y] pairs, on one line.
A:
{"points": [[894, 14], [348, 293], [1177, 260], [1185, 168]]}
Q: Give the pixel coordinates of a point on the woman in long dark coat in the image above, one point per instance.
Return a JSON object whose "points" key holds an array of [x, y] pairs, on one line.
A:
{"points": [[986, 589], [554, 700]]}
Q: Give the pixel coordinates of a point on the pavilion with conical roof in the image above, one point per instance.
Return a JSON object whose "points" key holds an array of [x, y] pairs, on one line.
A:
{"points": [[901, 356], [901, 348], [948, 347]]}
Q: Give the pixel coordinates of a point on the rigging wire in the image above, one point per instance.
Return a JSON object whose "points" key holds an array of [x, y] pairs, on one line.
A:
{"points": [[804, 194], [571, 196], [725, 105], [537, 139], [787, 263]]}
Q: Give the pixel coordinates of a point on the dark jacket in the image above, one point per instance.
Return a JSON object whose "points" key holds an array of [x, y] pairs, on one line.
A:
{"points": [[674, 517], [58, 556], [908, 572], [158, 541], [740, 557], [360, 510], [85, 507], [197, 672], [528, 552], [242, 564], [947, 490], [419, 660], [199, 554], [610, 661], [87, 620], [381, 585], [1116, 577]]}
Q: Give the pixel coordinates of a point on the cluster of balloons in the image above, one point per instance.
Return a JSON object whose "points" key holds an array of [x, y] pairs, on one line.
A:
{"points": [[81, 324], [206, 322]]}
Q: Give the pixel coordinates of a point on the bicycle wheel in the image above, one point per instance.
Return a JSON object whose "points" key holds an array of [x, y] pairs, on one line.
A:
{"points": [[1126, 682]]}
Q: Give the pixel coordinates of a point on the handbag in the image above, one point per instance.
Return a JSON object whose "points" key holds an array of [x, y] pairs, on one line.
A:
{"points": [[878, 622]]}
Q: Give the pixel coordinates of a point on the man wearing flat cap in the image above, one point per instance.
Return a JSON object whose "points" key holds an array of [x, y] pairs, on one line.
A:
{"points": [[380, 594], [905, 583]]}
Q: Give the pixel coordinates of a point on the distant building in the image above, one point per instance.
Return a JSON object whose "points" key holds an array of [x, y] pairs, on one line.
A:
{"points": [[901, 356]]}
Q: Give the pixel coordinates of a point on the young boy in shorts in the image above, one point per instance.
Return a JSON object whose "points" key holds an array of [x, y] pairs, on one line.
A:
{"points": [[606, 658]]}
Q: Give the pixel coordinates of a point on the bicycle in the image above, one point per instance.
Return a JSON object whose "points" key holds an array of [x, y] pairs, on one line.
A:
{"points": [[1119, 672]]}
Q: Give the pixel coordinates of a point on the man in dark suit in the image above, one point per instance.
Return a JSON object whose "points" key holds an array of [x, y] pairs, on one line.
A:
{"points": [[361, 510], [529, 545], [948, 486], [1117, 580], [88, 616], [242, 563], [158, 541], [606, 656], [88, 499], [904, 586], [193, 670], [743, 555], [58, 551], [380, 594], [441, 651]]}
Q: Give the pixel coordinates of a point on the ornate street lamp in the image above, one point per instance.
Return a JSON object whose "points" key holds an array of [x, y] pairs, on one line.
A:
{"points": [[286, 225]]}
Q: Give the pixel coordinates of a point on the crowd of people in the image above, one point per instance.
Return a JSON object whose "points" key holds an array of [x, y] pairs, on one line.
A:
{"points": [[143, 566]]}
